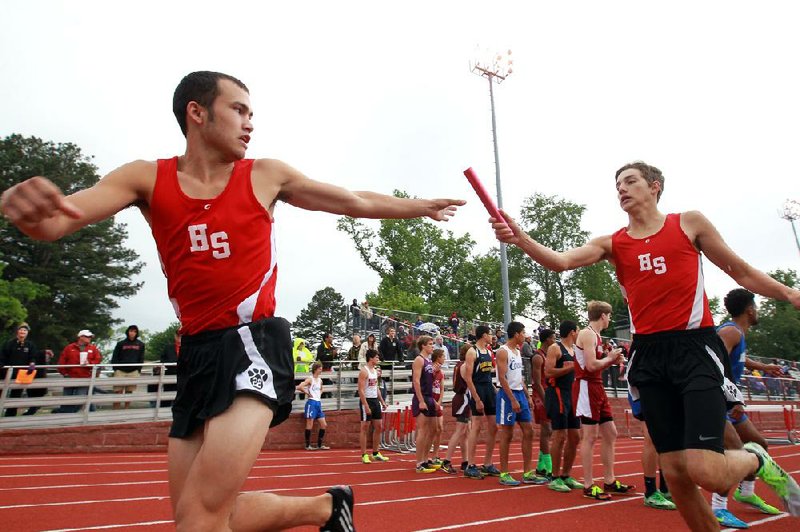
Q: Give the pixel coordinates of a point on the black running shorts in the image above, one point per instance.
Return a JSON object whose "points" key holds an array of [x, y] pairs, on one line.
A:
{"points": [[679, 378], [216, 366], [558, 405], [488, 395]]}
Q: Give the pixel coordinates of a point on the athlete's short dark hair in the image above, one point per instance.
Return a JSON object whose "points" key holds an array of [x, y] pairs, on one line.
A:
{"points": [[544, 334], [513, 328], [566, 327], [371, 353], [480, 330], [650, 173], [737, 301], [315, 366], [201, 87]]}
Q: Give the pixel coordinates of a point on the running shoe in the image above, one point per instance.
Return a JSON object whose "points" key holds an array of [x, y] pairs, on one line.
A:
{"points": [[667, 495], [596, 493], [379, 457], [728, 520], [365, 459], [657, 501], [617, 487], [507, 480], [473, 472], [573, 484], [433, 466], [436, 461], [490, 471], [423, 468], [449, 469], [776, 478], [557, 484], [542, 473], [756, 502], [323, 447], [532, 477], [310, 448], [341, 519]]}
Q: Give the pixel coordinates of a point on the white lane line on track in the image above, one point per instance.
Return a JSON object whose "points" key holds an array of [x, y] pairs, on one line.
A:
{"points": [[532, 514], [759, 522], [105, 527]]}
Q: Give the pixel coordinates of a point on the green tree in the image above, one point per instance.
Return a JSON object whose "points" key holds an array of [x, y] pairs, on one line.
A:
{"points": [[777, 334], [14, 296], [325, 313], [157, 342], [598, 282], [555, 223], [427, 270], [85, 272]]}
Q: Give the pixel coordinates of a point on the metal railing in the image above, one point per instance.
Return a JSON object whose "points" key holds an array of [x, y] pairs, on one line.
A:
{"points": [[154, 391]]}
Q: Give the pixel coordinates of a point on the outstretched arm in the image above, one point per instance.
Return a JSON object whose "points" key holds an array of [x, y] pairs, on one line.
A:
{"points": [[710, 242], [40, 210], [300, 191], [593, 251]]}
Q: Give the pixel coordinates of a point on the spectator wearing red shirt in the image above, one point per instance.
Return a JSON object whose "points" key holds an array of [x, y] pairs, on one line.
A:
{"points": [[82, 355]]}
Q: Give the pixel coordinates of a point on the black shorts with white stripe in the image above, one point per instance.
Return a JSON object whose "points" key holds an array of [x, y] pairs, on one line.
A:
{"points": [[216, 366]]}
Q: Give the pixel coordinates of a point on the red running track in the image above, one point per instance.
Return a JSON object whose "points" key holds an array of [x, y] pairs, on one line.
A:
{"points": [[129, 492]]}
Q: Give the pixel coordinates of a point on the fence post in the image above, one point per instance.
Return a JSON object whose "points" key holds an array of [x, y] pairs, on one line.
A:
{"points": [[88, 404], [6, 383], [338, 385]]}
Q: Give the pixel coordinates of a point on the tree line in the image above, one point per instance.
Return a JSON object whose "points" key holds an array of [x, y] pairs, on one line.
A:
{"points": [[62, 287]]}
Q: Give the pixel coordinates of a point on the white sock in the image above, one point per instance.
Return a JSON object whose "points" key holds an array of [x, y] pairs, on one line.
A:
{"points": [[719, 502], [747, 487]]}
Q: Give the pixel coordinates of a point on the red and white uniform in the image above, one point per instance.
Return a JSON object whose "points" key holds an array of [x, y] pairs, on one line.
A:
{"points": [[539, 411], [218, 254], [588, 394], [661, 277]]}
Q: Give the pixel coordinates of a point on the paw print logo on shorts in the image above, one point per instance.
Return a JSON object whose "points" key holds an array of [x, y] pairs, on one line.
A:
{"points": [[257, 377]]}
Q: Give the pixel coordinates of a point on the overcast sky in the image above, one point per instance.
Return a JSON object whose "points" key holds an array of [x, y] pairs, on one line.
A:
{"points": [[378, 98]]}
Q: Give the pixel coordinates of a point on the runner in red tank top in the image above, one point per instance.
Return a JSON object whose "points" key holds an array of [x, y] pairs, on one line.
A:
{"points": [[211, 213], [591, 403], [678, 365]]}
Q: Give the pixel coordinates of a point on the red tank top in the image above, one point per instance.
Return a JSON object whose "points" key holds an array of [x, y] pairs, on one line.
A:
{"points": [[218, 254], [581, 373], [661, 277]]}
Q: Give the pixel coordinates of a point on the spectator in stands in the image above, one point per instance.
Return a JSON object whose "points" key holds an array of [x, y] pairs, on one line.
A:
{"points": [[128, 351], [326, 352], [84, 356], [389, 347], [362, 350], [366, 316], [527, 355], [352, 353], [454, 323], [21, 351], [438, 343], [302, 357], [169, 355], [355, 311], [418, 324]]}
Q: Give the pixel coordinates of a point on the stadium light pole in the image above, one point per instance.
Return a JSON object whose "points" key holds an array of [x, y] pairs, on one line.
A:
{"points": [[791, 212], [496, 67]]}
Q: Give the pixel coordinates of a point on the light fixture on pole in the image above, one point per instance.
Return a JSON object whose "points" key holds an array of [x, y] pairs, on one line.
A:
{"points": [[496, 67], [791, 212]]}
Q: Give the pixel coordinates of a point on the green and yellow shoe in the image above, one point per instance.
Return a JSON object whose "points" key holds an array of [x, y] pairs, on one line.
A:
{"points": [[756, 502], [657, 501], [776, 478]]}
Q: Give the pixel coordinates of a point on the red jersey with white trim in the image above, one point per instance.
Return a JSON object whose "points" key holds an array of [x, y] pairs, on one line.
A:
{"points": [[661, 277], [218, 254], [581, 373]]}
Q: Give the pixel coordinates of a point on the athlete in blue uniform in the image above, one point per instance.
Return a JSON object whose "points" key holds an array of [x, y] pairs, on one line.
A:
{"points": [[740, 304]]}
